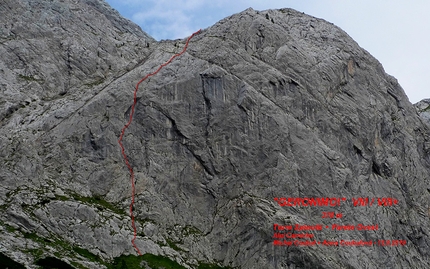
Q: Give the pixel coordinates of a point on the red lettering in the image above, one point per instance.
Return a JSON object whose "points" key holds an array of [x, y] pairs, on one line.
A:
{"points": [[360, 201], [281, 201], [387, 201], [342, 227], [282, 227]]}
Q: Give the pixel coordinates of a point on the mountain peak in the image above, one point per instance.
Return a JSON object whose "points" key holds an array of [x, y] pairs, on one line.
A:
{"points": [[264, 109]]}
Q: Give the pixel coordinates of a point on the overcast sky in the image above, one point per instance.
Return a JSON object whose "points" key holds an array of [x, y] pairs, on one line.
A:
{"points": [[396, 32]]}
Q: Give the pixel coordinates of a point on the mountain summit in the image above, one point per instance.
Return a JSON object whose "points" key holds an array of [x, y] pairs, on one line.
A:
{"points": [[265, 113]]}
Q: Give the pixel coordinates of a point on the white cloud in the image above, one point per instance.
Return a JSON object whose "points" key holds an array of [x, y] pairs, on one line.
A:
{"points": [[166, 24], [396, 32], [168, 19]]}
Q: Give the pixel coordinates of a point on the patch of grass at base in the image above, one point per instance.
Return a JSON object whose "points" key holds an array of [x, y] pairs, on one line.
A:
{"points": [[153, 261], [51, 263], [87, 254]]}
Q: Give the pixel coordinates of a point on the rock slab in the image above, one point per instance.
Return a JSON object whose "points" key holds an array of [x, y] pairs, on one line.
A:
{"points": [[263, 105]]}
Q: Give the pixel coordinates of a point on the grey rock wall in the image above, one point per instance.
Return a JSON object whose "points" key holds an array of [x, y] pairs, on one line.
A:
{"points": [[262, 105], [423, 108]]}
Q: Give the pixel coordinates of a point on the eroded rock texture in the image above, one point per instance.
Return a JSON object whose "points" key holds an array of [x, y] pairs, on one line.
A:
{"points": [[423, 108], [262, 105]]}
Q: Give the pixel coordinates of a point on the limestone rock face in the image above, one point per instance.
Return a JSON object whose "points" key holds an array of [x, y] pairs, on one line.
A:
{"points": [[263, 105], [423, 108]]}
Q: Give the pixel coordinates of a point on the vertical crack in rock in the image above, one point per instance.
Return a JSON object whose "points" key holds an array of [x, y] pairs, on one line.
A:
{"points": [[213, 94], [183, 140]]}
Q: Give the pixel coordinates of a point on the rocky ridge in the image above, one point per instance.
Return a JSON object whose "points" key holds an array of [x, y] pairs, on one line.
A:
{"points": [[423, 108], [263, 104]]}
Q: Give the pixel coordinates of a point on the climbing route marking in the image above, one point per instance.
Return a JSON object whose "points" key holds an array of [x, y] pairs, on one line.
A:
{"points": [[130, 168]]}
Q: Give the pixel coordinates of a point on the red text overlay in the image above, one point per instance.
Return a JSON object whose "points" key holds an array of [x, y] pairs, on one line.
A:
{"points": [[304, 235], [335, 201]]}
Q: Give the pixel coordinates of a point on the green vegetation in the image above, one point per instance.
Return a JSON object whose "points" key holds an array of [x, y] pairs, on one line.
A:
{"points": [[191, 230], [78, 265], [87, 254], [99, 202], [51, 263], [61, 198], [173, 245], [95, 83], [64, 247], [29, 78], [36, 253], [156, 262], [153, 261], [211, 266], [9, 228], [33, 237], [7, 262]]}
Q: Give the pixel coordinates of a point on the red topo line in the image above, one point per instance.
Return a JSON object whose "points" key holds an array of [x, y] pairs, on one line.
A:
{"points": [[130, 168]]}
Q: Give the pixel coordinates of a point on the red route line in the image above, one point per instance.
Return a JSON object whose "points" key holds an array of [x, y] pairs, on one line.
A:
{"points": [[130, 168]]}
